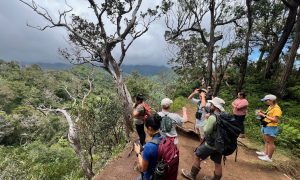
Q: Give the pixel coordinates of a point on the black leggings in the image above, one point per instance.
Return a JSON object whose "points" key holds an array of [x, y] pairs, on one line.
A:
{"points": [[240, 120], [141, 132]]}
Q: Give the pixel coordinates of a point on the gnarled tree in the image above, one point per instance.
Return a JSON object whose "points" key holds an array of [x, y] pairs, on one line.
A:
{"points": [[118, 24], [183, 16]]}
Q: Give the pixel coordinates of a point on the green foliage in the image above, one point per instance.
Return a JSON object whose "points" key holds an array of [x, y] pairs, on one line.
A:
{"points": [[39, 161], [178, 103]]}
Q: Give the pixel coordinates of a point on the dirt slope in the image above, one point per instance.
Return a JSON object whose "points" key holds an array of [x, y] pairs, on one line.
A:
{"points": [[248, 166]]}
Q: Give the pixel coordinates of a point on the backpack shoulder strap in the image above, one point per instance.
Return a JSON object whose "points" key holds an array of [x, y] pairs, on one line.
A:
{"points": [[156, 141]]}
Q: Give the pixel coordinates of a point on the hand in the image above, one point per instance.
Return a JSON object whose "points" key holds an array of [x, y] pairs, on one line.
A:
{"points": [[137, 148], [196, 91], [184, 109], [261, 114]]}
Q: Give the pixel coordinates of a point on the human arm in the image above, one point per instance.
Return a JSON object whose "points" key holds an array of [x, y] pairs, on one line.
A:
{"points": [[203, 99], [142, 164], [209, 125], [136, 111], [196, 91], [271, 119], [242, 104], [184, 115]]}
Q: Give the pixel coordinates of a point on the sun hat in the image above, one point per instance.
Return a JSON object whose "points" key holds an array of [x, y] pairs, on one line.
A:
{"points": [[218, 103], [166, 102], [269, 97]]}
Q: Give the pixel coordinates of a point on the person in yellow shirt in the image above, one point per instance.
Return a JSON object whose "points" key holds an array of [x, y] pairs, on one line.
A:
{"points": [[270, 130]]}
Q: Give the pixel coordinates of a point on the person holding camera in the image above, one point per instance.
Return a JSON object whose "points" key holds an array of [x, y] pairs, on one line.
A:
{"points": [[270, 121], [147, 158], [200, 114], [240, 106], [208, 148]]}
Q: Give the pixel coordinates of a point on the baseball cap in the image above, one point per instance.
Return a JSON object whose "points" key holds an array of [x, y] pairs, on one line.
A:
{"points": [[269, 97]]}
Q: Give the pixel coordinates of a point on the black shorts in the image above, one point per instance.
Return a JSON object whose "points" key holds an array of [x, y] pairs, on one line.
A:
{"points": [[203, 152]]}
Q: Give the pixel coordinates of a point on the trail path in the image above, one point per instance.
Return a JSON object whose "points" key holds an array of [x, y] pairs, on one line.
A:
{"points": [[248, 166]]}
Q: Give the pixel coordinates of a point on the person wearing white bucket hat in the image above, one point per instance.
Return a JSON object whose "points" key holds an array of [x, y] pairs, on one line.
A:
{"points": [[205, 150], [270, 127]]}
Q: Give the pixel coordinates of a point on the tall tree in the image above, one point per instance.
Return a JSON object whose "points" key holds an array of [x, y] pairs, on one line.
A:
{"points": [[187, 16], [292, 5], [244, 62], [290, 58], [118, 24]]}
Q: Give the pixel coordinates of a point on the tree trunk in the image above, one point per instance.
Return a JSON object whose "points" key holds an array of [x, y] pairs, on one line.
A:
{"points": [[114, 69], [298, 73], [244, 63], [218, 83], [260, 60], [75, 143], [290, 21], [127, 104], [211, 43], [290, 59]]}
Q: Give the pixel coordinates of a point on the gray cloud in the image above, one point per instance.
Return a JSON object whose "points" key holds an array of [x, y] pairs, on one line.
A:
{"points": [[25, 44]]}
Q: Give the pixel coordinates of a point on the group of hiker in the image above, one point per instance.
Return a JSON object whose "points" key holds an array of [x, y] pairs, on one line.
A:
{"points": [[218, 132]]}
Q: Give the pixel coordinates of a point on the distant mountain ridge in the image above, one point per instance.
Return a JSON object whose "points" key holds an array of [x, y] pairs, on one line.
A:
{"points": [[145, 70]]}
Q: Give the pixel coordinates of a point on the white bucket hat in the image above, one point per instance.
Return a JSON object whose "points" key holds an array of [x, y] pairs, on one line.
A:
{"points": [[218, 103], [166, 102], [269, 97]]}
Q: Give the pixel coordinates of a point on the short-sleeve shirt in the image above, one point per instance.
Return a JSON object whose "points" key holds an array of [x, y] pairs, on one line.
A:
{"points": [[199, 122], [150, 154], [241, 109], [273, 112], [140, 118], [176, 120]]}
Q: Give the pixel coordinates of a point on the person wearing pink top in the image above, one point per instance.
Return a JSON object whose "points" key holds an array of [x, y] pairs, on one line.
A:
{"points": [[240, 106]]}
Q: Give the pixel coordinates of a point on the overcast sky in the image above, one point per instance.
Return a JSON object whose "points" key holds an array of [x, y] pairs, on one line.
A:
{"points": [[24, 44]]}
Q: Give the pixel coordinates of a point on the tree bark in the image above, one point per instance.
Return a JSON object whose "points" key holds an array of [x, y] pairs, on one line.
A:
{"points": [[244, 63], [287, 29], [290, 59], [211, 43], [75, 143], [123, 93]]}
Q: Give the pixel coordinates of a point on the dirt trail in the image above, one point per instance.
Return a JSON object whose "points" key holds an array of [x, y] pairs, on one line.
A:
{"points": [[248, 166]]}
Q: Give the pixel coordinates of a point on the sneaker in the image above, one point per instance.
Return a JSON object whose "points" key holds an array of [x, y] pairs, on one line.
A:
{"points": [[265, 158], [260, 153]]}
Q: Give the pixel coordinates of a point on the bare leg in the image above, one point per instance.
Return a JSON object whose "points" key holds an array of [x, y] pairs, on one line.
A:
{"points": [[266, 144], [218, 169], [271, 146]]}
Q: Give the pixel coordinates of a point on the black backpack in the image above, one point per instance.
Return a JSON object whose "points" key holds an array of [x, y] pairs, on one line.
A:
{"points": [[227, 133]]}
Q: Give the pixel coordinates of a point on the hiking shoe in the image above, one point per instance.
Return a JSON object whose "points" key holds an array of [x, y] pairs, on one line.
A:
{"points": [[265, 158], [260, 153], [187, 174]]}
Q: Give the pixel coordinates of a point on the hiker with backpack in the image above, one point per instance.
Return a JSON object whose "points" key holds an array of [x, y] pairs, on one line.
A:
{"points": [[240, 106], [159, 159], [200, 113], [208, 148], [140, 112], [171, 120], [270, 121], [147, 158]]}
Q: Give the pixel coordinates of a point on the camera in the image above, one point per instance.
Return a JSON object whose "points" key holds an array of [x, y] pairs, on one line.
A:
{"points": [[262, 122]]}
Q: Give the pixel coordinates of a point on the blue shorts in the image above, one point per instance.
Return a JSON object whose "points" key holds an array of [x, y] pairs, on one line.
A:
{"points": [[270, 130]]}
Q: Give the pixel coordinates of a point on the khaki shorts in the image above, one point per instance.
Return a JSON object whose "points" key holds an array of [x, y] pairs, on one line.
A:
{"points": [[200, 131]]}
